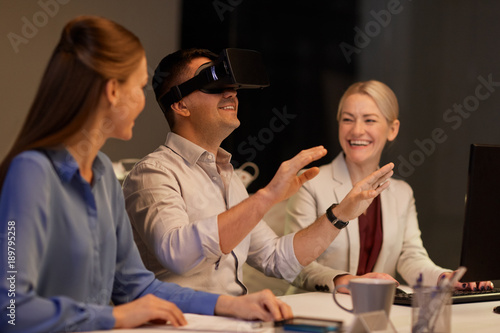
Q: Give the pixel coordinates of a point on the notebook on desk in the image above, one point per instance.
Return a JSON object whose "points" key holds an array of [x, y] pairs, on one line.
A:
{"points": [[480, 241]]}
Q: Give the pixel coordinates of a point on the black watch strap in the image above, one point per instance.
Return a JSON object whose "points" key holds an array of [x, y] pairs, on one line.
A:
{"points": [[339, 224]]}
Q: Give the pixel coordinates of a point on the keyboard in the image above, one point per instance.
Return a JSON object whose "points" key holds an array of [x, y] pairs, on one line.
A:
{"points": [[458, 296]]}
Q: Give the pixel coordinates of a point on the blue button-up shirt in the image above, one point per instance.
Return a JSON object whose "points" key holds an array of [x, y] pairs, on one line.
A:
{"points": [[67, 249]]}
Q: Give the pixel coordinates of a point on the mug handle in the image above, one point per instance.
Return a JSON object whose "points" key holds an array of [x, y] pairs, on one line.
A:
{"points": [[335, 299], [253, 166]]}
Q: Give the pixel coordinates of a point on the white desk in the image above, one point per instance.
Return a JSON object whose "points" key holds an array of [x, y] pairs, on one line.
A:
{"points": [[466, 318], [470, 318]]}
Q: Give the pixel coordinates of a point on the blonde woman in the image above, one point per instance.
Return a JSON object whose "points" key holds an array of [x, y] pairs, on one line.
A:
{"points": [[386, 237]]}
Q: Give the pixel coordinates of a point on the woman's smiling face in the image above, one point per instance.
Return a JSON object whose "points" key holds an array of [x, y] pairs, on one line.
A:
{"points": [[363, 130]]}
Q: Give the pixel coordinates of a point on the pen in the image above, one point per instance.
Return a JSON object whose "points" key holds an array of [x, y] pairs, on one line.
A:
{"points": [[265, 324], [444, 289], [262, 324], [458, 275]]}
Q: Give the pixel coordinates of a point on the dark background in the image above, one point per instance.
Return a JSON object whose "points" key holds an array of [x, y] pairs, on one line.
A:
{"points": [[432, 54], [300, 47]]}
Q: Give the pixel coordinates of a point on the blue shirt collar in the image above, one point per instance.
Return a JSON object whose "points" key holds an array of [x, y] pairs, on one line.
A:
{"points": [[67, 167]]}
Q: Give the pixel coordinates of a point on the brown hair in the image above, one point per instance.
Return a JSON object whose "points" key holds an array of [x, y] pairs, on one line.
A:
{"points": [[172, 71], [381, 94], [91, 51]]}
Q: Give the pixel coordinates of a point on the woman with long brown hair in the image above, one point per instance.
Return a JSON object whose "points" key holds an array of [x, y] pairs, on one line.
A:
{"points": [[67, 245]]}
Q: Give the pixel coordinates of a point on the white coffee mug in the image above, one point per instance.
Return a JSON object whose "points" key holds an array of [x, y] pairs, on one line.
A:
{"points": [[369, 295], [247, 172], [123, 167]]}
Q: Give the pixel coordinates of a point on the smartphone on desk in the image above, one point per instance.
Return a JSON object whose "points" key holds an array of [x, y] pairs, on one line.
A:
{"points": [[304, 324]]}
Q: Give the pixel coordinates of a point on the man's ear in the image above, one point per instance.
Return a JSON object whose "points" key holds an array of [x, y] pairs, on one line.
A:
{"points": [[112, 91], [180, 108]]}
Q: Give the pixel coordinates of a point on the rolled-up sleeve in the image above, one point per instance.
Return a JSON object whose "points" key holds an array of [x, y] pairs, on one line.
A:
{"points": [[273, 255]]}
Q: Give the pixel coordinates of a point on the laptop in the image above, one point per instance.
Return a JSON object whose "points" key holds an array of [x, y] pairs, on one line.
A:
{"points": [[480, 241]]}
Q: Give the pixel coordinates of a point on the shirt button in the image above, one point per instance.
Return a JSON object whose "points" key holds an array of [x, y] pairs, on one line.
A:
{"points": [[214, 178], [210, 157]]}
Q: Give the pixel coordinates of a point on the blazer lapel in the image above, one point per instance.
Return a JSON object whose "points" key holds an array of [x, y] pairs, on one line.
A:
{"points": [[340, 175], [389, 212]]}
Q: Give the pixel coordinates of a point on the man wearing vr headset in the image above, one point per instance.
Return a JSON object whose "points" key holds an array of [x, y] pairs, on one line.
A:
{"points": [[193, 220]]}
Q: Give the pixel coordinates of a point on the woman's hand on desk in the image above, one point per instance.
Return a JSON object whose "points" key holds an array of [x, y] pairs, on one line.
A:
{"points": [[482, 285], [344, 279], [146, 309], [261, 305]]}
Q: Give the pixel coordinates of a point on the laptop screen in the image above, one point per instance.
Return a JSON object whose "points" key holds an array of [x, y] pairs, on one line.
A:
{"points": [[481, 233]]}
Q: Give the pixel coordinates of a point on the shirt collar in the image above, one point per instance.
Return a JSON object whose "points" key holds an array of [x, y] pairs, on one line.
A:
{"points": [[66, 166], [193, 153]]}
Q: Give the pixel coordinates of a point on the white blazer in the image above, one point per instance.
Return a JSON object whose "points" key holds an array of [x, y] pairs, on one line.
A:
{"points": [[402, 247]]}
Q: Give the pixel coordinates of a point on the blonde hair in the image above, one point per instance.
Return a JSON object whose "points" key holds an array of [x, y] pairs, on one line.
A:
{"points": [[381, 94]]}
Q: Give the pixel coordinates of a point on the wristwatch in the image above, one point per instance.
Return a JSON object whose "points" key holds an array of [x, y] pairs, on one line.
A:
{"points": [[339, 224]]}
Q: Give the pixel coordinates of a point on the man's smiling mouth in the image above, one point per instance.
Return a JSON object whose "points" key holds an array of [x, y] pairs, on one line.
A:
{"points": [[229, 107]]}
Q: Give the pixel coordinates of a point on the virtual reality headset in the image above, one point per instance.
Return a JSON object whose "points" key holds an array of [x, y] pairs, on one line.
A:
{"points": [[233, 69]]}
